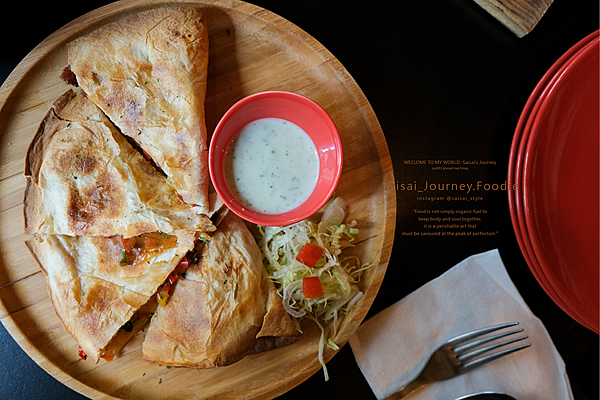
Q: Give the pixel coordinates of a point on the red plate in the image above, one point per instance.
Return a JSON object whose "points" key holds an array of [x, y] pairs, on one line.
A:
{"points": [[560, 171], [515, 165]]}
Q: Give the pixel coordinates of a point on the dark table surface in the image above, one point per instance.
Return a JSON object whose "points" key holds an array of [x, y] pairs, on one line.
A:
{"points": [[447, 81]]}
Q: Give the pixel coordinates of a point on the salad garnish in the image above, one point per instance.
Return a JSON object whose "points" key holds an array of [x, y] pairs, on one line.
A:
{"points": [[303, 260]]}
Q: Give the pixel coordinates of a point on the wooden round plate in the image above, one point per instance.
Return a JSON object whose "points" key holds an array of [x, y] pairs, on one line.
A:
{"points": [[251, 50]]}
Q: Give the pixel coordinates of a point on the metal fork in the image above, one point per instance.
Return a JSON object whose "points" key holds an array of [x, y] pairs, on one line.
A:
{"points": [[455, 356]]}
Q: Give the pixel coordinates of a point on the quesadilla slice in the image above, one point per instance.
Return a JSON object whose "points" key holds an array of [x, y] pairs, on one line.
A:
{"points": [[148, 73], [215, 313], [85, 178], [96, 292], [277, 329]]}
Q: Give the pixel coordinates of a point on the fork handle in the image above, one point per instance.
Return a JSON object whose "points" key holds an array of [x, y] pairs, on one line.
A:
{"points": [[409, 388]]}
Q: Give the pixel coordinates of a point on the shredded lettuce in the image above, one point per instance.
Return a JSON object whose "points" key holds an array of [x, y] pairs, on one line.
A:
{"points": [[339, 277]]}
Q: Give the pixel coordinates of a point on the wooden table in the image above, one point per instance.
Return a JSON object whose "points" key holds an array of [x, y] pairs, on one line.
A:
{"points": [[446, 81]]}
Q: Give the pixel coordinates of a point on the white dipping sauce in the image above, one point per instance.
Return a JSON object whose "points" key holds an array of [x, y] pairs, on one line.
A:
{"points": [[271, 165]]}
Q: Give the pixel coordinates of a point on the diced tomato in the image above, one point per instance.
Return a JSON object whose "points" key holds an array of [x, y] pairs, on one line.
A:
{"points": [[312, 287], [127, 244], [309, 254], [82, 353], [146, 155]]}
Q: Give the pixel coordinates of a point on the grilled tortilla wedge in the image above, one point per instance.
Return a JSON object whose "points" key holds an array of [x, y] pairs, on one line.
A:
{"points": [[94, 291], [148, 73], [219, 311], [85, 178]]}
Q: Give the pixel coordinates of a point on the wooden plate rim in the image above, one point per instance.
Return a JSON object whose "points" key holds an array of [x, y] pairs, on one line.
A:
{"points": [[113, 11]]}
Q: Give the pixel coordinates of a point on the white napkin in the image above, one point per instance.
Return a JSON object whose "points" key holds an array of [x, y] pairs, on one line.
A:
{"points": [[394, 345]]}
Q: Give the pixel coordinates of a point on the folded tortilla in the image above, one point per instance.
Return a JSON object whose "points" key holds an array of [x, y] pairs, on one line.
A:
{"points": [[148, 73], [221, 307]]}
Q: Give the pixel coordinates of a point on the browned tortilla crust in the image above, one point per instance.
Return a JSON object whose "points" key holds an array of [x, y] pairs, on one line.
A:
{"points": [[84, 178], [148, 73], [92, 294], [277, 322], [214, 315]]}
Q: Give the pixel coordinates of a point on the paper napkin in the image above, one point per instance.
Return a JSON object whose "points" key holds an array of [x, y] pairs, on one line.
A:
{"points": [[393, 346]]}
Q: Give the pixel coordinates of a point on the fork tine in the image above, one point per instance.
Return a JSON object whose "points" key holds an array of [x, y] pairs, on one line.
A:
{"points": [[476, 343], [478, 352], [479, 332], [480, 361]]}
